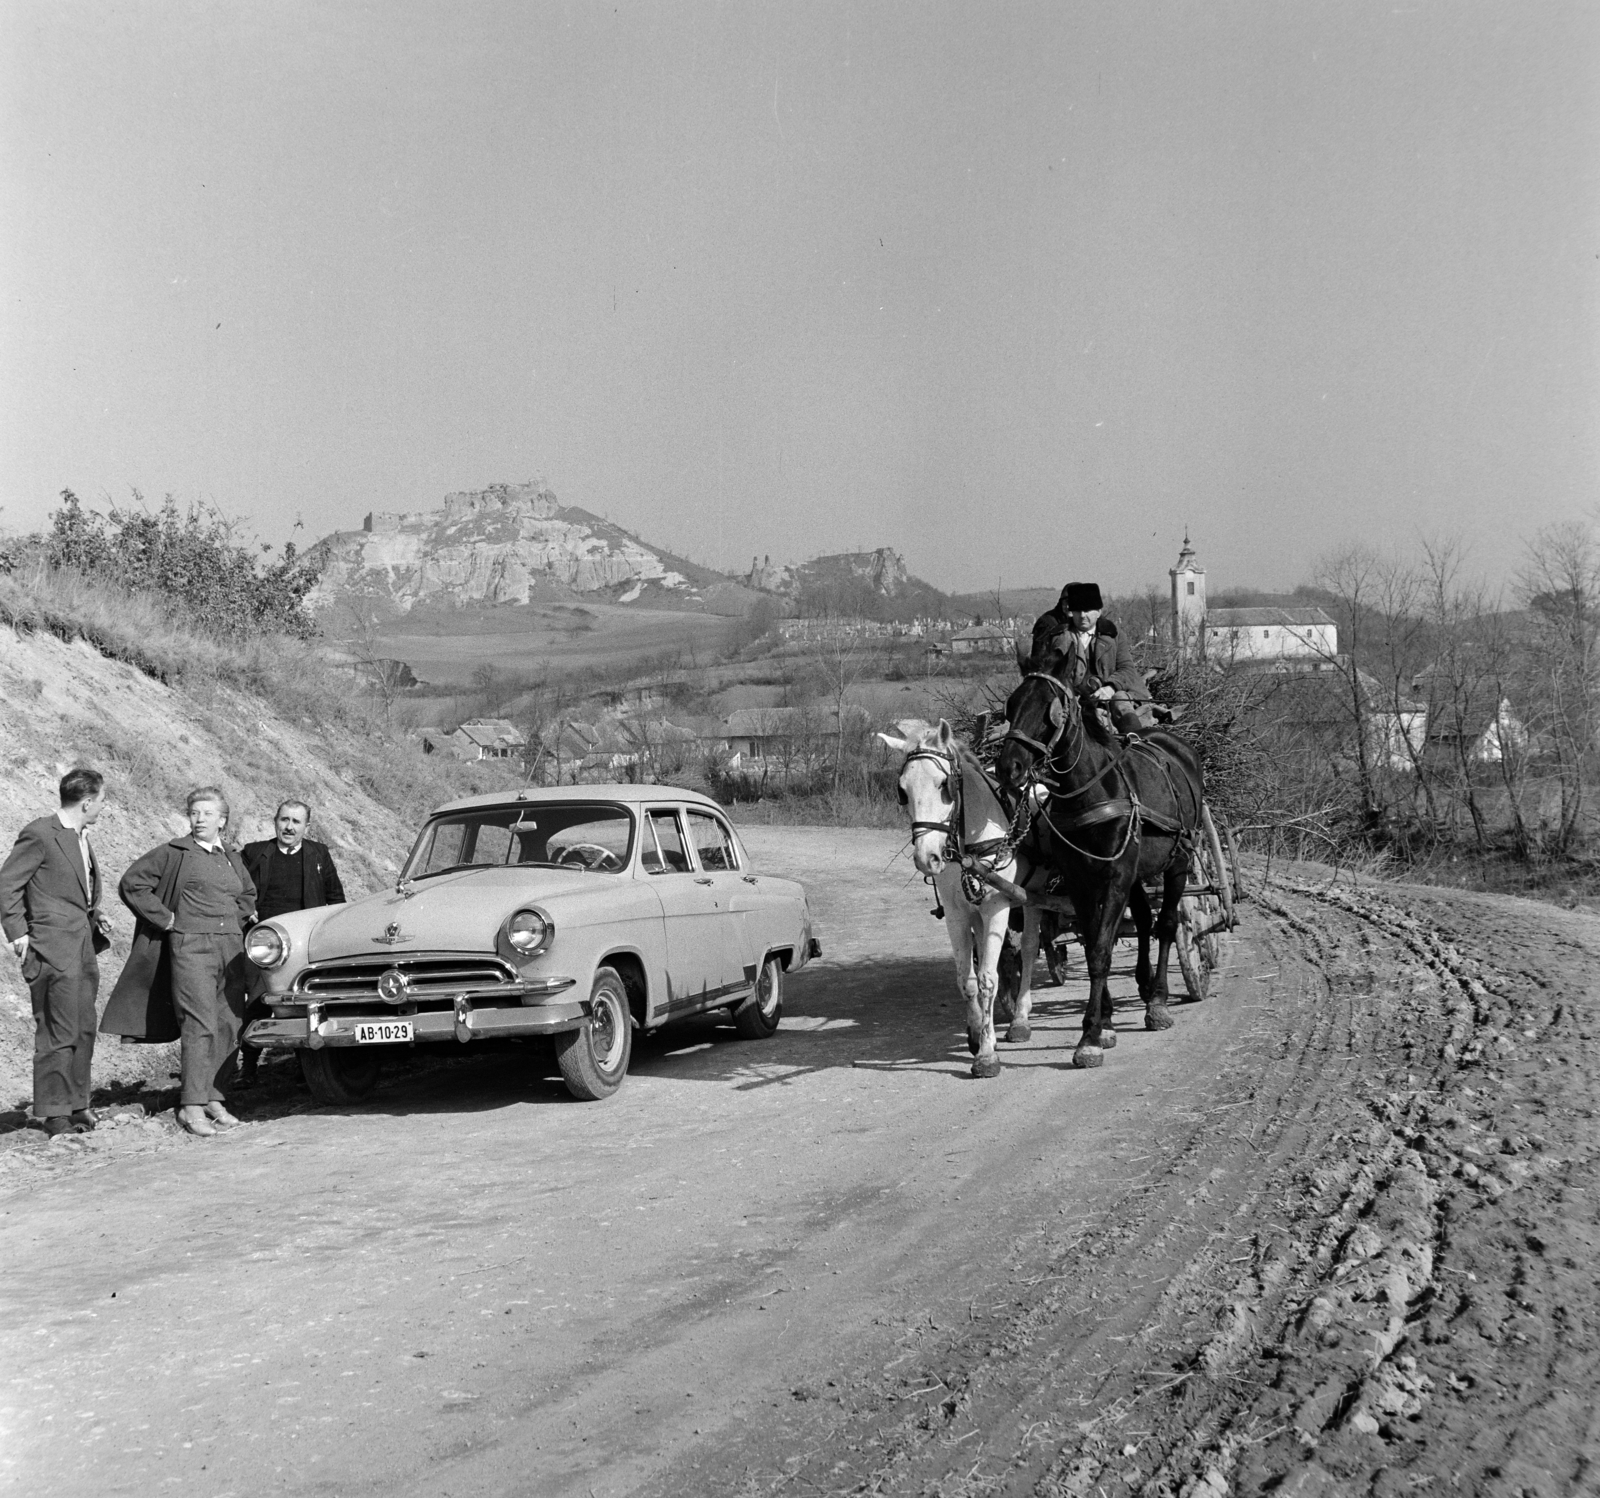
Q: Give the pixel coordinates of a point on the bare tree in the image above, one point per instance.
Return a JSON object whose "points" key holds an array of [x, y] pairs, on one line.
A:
{"points": [[1560, 583], [840, 661], [1351, 574]]}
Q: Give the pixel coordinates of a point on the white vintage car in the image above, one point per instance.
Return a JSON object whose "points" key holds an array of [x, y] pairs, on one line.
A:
{"points": [[578, 913]]}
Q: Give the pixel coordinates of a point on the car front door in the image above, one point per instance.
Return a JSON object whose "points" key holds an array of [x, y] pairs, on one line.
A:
{"points": [[696, 918]]}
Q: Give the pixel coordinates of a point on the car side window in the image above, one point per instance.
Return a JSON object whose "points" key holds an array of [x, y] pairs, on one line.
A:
{"points": [[713, 843], [664, 853]]}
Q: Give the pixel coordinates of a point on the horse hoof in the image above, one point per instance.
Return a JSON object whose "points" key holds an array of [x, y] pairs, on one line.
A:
{"points": [[1108, 1038], [986, 1066], [1157, 1018], [1087, 1056], [1019, 1034], [972, 1042]]}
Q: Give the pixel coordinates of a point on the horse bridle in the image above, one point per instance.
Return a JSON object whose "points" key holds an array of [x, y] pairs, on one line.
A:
{"points": [[952, 772], [1058, 715]]}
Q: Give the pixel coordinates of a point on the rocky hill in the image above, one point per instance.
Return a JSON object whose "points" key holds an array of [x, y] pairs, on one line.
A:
{"points": [[874, 584], [507, 544]]}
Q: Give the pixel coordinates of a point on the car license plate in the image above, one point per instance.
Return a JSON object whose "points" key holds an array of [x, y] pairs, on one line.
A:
{"points": [[384, 1032]]}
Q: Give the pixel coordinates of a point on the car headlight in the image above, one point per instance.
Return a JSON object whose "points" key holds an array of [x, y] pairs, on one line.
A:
{"points": [[530, 931], [267, 945]]}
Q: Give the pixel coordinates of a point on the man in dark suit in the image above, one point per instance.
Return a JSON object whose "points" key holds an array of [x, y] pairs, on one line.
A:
{"points": [[50, 910], [291, 872]]}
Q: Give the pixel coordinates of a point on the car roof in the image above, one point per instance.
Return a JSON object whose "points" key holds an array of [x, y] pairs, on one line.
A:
{"points": [[534, 795]]}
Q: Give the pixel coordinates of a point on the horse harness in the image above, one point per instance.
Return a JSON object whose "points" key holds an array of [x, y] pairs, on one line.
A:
{"points": [[1127, 805], [991, 851]]}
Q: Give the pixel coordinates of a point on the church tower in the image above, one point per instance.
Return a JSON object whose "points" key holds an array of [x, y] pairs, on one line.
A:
{"points": [[1188, 604]]}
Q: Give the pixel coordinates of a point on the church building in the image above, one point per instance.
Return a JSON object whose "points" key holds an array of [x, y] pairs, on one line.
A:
{"points": [[1265, 638]]}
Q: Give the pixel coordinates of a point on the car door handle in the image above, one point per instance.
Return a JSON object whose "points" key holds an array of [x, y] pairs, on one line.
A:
{"points": [[705, 881], [749, 878]]}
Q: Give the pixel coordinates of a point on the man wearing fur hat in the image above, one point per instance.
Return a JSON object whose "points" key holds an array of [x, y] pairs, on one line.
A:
{"points": [[1099, 663]]}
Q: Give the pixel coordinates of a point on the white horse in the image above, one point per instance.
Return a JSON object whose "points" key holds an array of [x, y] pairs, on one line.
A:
{"points": [[957, 825]]}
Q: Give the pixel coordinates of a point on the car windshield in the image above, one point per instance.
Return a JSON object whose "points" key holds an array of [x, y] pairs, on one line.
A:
{"points": [[568, 835]]}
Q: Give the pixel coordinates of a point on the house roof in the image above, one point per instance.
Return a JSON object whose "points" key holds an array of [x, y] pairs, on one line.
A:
{"points": [[1324, 697], [493, 733], [1249, 618]]}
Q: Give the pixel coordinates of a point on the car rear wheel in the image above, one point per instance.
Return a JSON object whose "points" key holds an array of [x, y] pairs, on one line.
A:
{"points": [[759, 1015], [594, 1057], [340, 1076]]}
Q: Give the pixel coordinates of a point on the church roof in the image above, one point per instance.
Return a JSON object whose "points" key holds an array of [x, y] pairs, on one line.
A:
{"points": [[1248, 618]]}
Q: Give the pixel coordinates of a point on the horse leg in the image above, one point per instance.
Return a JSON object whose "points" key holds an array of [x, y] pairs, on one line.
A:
{"points": [[1143, 920], [1100, 934], [958, 927], [990, 921], [1021, 1031], [1173, 883]]}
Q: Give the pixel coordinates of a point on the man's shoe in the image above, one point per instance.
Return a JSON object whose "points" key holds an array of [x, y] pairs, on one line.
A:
{"points": [[60, 1124], [85, 1119], [193, 1119], [219, 1115]]}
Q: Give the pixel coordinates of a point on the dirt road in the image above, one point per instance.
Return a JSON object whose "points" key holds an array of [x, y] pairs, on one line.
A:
{"points": [[1332, 1233]]}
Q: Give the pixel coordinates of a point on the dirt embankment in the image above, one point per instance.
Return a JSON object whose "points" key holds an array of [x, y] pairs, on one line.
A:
{"points": [[64, 704]]}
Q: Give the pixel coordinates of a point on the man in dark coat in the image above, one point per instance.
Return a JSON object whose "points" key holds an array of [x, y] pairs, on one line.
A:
{"points": [[291, 872], [50, 909], [1099, 663]]}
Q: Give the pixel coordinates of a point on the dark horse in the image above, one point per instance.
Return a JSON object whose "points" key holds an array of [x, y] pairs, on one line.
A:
{"points": [[1109, 817]]}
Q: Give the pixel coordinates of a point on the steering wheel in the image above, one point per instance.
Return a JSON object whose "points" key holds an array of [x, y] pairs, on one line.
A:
{"points": [[589, 856]]}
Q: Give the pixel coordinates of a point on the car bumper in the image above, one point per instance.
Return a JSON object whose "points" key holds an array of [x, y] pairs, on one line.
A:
{"points": [[318, 1028]]}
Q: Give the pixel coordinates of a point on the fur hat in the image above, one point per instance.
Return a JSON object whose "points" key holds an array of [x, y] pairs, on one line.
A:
{"points": [[1079, 596]]}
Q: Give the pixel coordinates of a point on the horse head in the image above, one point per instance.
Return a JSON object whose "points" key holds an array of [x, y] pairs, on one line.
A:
{"points": [[926, 787], [1042, 712]]}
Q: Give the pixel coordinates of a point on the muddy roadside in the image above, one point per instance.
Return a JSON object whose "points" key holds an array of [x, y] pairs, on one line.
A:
{"points": [[1364, 1265]]}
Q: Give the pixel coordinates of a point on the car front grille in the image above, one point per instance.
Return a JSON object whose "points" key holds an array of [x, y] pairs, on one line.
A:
{"points": [[426, 976]]}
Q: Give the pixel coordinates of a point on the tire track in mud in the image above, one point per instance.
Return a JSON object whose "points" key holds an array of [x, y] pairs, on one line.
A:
{"points": [[1357, 1267]]}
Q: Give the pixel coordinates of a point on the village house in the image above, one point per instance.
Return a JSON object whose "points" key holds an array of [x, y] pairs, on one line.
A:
{"points": [[1325, 709], [786, 735], [488, 738], [1474, 723], [983, 639]]}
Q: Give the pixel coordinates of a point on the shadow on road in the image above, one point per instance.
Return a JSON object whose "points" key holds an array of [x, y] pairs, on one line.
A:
{"points": [[885, 1015]]}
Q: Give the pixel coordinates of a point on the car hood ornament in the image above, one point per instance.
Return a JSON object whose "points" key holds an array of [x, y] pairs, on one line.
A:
{"points": [[391, 935]]}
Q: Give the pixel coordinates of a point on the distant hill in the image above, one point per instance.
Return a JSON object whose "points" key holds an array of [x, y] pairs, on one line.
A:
{"points": [[862, 584], [507, 544]]}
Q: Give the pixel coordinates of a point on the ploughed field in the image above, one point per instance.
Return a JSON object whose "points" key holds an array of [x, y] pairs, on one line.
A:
{"points": [[1333, 1233]]}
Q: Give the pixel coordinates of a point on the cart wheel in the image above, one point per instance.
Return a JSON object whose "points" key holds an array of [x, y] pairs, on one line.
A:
{"points": [[1193, 959]]}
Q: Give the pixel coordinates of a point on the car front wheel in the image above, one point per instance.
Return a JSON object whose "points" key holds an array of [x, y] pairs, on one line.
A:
{"points": [[340, 1076], [758, 1016], [594, 1057]]}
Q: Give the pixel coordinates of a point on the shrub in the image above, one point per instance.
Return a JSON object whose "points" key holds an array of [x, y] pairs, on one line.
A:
{"points": [[189, 561]]}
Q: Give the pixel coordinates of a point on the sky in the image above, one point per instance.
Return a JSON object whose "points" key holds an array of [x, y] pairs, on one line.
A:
{"points": [[1023, 291]]}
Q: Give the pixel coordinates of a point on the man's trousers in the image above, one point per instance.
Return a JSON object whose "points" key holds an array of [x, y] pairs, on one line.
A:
{"points": [[63, 1034]]}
